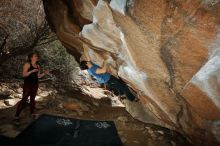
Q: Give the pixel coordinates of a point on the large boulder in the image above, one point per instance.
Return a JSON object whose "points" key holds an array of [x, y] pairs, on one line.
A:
{"points": [[169, 50]]}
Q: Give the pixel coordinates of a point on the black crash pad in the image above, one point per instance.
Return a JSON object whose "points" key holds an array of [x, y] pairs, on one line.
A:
{"points": [[50, 130], [6, 141]]}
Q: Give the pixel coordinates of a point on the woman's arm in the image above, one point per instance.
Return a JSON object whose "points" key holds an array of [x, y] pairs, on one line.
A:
{"points": [[43, 74], [98, 70], [103, 69]]}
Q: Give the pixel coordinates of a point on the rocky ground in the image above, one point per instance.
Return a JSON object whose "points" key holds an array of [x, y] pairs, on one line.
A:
{"points": [[75, 104]]}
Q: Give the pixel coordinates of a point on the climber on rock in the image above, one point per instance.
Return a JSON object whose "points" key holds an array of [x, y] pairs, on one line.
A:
{"points": [[103, 77]]}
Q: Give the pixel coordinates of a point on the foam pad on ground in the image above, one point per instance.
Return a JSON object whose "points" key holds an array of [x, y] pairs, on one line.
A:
{"points": [[50, 130]]}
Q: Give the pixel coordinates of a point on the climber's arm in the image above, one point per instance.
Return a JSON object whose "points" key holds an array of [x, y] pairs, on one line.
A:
{"points": [[103, 69]]}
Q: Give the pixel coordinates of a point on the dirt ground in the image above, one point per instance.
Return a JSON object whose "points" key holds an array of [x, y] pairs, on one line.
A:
{"points": [[75, 104]]}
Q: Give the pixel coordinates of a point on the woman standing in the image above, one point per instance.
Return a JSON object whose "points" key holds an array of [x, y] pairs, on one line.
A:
{"points": [[30, 73]]}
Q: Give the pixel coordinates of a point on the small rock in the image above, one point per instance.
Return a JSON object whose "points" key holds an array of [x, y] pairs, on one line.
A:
{"points": [[95, 103], [44, 93], [161, 132], [135, 141], [19, 90], [173, 143], [84, 107], [150, 131], [11, 102], [122, 119], [160, 138], [60, 105], [123, 140], [153, 136], [18, 96], [120, 132], [80, 113], [6, 102]]}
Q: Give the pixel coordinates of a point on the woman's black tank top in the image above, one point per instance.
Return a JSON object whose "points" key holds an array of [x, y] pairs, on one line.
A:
{"points": [[33, 77]]}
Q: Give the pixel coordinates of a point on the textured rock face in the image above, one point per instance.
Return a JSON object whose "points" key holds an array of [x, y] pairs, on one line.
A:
{"points": [[20, 25], [170, 50], [67, 18]]}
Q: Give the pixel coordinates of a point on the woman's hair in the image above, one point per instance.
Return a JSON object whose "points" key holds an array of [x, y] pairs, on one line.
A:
{"points": [[83, 65], [30, 56]]}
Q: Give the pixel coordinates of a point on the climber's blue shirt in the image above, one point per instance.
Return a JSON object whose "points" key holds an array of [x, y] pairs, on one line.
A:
{"points": [[100, 78]]}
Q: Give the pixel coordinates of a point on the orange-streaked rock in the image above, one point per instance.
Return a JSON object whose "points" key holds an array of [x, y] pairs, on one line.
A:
{"points": [[201, 103], [160, 48]]}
